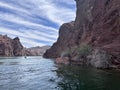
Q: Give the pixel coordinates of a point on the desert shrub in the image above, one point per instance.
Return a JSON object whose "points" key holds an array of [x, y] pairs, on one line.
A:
{"points": [[84, 50], [81, 51], [68, 52]]}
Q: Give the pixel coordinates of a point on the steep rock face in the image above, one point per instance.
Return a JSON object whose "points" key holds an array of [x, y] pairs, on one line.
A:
{"points": [[10, 47], [5, 46], [97, 24], [66, 40], [17, 47], [100, 27]]}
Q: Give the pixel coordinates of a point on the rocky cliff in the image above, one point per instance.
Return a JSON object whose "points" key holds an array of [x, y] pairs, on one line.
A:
{"points": [[65, 41], [13, 47], [10, 47], [97, 24]]}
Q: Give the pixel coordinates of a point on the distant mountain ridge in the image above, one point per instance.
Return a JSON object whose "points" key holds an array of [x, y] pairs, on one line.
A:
{"points": [[36, 51]]}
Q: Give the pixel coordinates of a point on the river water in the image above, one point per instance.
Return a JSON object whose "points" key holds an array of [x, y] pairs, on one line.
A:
{"points": [[37, 73]]}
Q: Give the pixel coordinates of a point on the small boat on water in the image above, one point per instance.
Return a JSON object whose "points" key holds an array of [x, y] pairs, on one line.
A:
{"points": [[25, 56]]}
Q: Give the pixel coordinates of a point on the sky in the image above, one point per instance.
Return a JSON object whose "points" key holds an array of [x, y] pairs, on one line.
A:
{"points": [[35, 22]]}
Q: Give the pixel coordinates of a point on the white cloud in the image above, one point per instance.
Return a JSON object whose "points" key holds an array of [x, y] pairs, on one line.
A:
{"points": [[48, 9], [30, 43], [26, 10], [29, 37], [56, 14], [2, 4], [13, 18]]}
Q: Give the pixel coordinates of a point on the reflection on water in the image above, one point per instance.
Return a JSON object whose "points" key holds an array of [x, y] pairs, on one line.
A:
{"points": [[37, 73], [86, 78]]}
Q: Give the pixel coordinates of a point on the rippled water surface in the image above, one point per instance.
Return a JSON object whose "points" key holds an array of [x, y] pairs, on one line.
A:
{"points": [[37, 73]]}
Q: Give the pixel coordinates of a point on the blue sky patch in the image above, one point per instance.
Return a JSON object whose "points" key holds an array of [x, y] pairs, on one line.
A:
{"points": [[35, 22]]}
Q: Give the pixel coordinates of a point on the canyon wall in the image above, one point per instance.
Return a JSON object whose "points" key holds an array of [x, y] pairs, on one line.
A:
{"points": [[97, 24], [10, 47], [65, 40]]}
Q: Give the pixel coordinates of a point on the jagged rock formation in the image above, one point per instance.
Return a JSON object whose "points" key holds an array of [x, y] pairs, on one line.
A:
{"points": [[36, 51], [17, 47], [97, 24], [65, 41], [10, 47]]}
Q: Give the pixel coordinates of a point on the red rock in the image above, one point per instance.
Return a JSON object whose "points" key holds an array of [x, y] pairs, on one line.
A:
{"points": [[97, 23], [64, 60], [17, 47], [66, 40], [10, 47]]}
